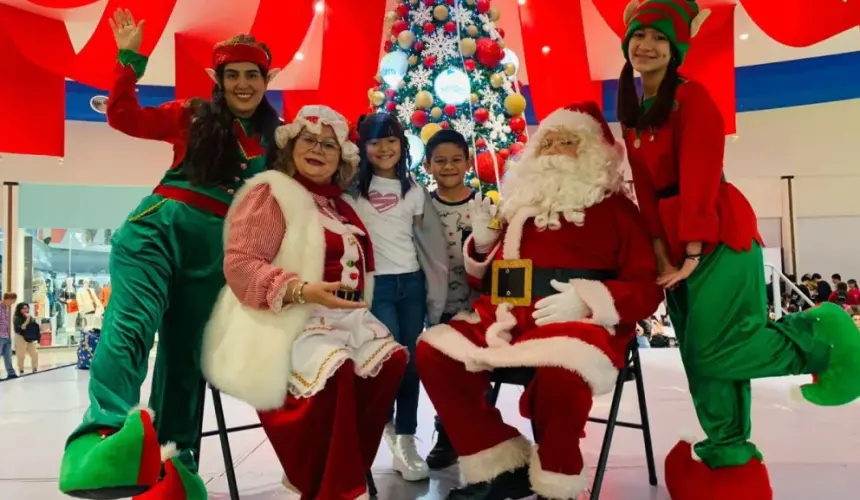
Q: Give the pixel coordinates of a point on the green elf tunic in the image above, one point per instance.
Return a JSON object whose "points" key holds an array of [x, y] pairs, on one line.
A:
{"points": [[167, 270], [720, 311]]}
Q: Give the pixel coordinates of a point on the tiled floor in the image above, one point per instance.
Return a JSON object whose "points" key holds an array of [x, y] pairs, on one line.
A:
{"points": [[811, 452], [49, 359]]}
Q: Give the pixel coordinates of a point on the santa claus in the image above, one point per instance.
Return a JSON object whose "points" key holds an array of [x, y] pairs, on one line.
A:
{"points": [[563, 282]]}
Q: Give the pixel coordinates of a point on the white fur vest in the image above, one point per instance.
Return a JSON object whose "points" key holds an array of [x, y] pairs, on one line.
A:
{"points": [[247, 352]]}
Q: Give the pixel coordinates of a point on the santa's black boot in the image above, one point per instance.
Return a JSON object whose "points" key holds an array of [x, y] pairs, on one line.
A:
{"points": [[512, 485], [442, 455]]}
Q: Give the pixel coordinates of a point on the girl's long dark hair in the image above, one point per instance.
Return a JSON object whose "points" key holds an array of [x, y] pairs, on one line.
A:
{"points": [[213, 155], [20, 307], [630, 112], [379, 126]]}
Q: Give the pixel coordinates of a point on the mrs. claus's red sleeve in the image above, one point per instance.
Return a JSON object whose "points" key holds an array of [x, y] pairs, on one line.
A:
{"points": [[700, 142]]}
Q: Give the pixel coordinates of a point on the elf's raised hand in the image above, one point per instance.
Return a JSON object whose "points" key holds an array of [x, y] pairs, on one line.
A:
{"points": [[126, 32]]}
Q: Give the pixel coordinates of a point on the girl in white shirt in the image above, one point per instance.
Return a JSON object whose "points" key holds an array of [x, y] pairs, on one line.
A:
{"points": [[391, 205]]}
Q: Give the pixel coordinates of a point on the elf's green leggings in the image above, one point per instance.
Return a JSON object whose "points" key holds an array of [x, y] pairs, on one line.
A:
{"points": [[166, 269], [725, 338]]}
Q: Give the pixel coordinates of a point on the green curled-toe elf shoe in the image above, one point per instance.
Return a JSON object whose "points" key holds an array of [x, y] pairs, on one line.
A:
{"points": [[113, 464], [839, 383]]}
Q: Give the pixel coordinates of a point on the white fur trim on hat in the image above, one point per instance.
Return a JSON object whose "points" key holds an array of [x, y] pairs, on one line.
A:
{"points": [[573, 121], [313, 118]]}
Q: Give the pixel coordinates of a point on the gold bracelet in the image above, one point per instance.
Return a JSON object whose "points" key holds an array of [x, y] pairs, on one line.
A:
{"points": [[300, 296], [285, 300]]}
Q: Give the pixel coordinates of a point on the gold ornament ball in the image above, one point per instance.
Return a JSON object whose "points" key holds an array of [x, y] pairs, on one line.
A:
{"points": [[413, 2], [436, 112], [405, 39], [510, 69], [423, 99], [494, 13], [470, 2], [475, 98], [440, 12], [496, 80], [377, 98], [429, 131], [475, 182], [391, 16], [413, 60], [515, 104], [401, 84], [468, 47], [378, 78], [472, 30], [493, 195]]}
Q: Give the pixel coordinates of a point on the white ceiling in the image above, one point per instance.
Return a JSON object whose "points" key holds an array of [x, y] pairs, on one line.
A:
{"points": [[603, 45]]}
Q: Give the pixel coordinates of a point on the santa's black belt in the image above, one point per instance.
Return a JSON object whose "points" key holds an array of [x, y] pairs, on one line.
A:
{"points": [[517, 282]]}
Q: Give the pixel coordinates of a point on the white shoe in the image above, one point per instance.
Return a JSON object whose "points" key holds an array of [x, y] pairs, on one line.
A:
{"points": [[407, 462], [286, 482], [389, 435]]}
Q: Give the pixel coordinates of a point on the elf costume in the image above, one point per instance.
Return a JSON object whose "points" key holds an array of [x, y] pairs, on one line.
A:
{"points": [[678, 177], [166, 267]]}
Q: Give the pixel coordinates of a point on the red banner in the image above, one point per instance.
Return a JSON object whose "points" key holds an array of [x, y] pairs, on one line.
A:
{"points": [[801, 23], [351, 38], [556, 54]]}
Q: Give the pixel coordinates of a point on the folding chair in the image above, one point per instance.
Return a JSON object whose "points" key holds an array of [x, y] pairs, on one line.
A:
{"points": [[223, 433], [632, 371]]}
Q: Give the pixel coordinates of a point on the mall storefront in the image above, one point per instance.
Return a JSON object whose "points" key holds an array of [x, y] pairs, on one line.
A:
{"points": [[56, 242]]}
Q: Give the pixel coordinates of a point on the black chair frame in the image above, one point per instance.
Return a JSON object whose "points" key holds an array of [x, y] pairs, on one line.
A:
{"points": [[223, 432], [632, 371]]}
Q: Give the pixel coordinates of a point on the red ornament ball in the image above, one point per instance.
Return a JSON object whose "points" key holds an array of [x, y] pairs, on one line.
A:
{"points": [[398, 26], [469, 65], [481, 143], [501, 32], [390, 106], [482, 115], [429, 28], [419, 118], [517, 148], [387, 46], [523, 139], [429, 2], [445, 125], [517, 124], [451, 2], [450, 27], [485, 167], [483, 6], [390, 93], [450, 109], [505, 153], [418, 46], [489, 53], [402, 10], [429, 62]]}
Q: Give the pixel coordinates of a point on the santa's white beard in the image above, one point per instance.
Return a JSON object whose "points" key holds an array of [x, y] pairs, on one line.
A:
{"points": [[560, 186]]}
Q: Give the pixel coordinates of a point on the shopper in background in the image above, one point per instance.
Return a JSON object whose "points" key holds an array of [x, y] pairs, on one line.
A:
{"points": [[26, 337], [6, 332]]}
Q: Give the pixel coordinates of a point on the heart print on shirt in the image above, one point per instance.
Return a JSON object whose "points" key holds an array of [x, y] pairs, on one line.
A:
{"points": [[383, 202]]}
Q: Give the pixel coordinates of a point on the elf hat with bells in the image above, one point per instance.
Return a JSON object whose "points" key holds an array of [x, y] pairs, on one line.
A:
{"points": [[679, 20]]}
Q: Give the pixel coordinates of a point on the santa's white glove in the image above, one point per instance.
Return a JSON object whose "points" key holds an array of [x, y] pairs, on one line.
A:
{"points": [[561, 307], [481, 213]]}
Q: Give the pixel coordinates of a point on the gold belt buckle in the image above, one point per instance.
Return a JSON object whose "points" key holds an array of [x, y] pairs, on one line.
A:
{"points": [[512, 282]]}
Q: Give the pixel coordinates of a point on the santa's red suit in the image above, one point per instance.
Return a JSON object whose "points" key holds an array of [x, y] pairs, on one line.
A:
{"points": [[571, 235]]}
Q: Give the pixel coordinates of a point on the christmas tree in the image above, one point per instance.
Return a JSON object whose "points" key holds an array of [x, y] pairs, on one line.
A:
{"points": [[446, 65]]}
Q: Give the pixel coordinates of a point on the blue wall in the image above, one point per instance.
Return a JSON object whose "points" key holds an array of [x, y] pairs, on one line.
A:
{"points": [[765, 86]]}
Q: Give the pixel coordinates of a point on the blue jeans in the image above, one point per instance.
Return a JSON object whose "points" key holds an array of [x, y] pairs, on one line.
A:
{"points": [[400, 303], [6, 354]]}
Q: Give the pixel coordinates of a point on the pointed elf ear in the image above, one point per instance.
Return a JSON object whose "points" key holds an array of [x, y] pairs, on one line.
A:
{"points": [[212, 74], [698, 21], [629, 10], [273, 73]]}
